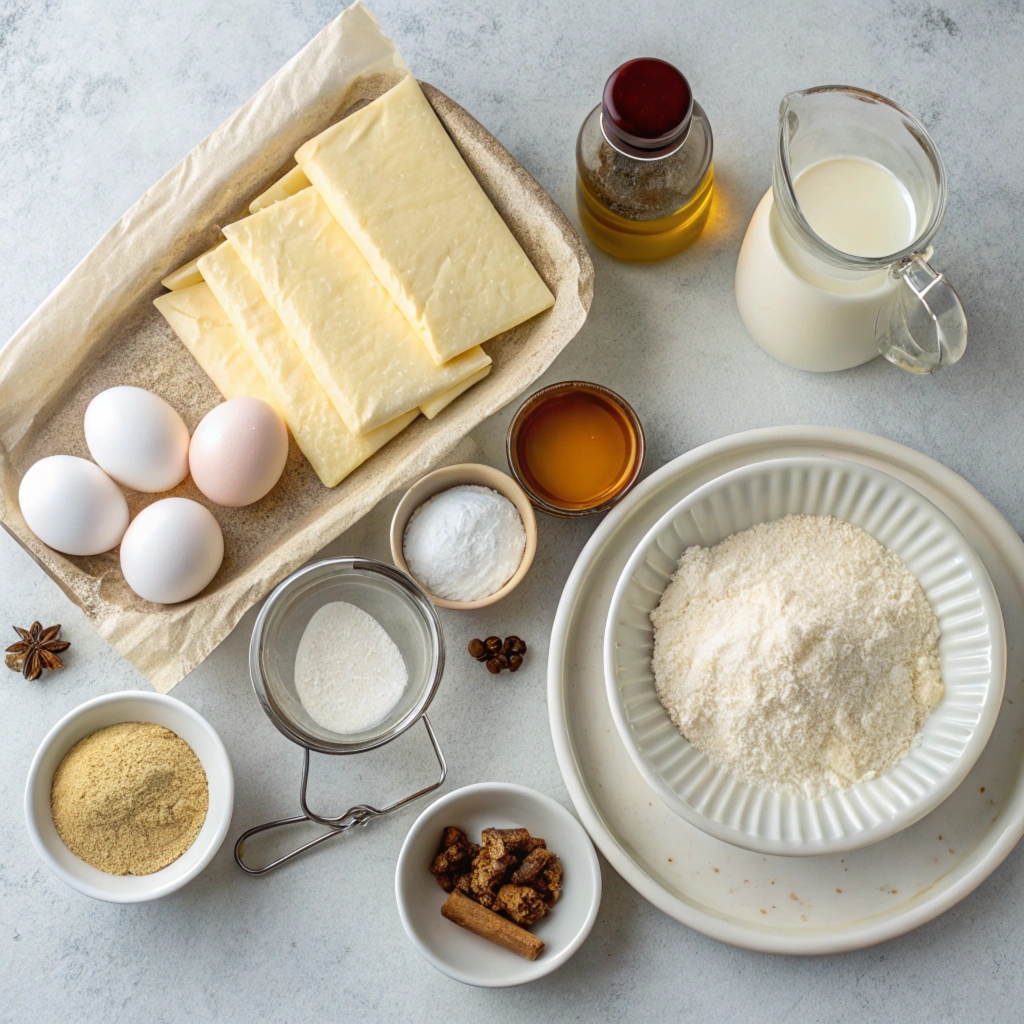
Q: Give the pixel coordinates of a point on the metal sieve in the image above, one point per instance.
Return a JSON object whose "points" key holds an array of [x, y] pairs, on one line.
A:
{"points": [[406, 614]]}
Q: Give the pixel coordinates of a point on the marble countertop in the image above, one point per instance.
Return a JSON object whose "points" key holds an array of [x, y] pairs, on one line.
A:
{"points": [[101, 97]]}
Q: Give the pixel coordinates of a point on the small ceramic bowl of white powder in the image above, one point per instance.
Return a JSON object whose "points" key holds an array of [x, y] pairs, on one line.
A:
{"points": [[467, 534]]}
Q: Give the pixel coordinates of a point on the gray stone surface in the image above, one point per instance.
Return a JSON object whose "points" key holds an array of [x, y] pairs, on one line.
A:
{"points": [[100, 97]]}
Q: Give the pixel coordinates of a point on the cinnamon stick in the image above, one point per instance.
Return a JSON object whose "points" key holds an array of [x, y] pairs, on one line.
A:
{"points": [[468, 914]]}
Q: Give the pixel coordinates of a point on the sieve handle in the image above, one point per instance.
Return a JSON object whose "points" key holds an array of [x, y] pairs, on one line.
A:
{"points": [[359, 814], [239, 846]]}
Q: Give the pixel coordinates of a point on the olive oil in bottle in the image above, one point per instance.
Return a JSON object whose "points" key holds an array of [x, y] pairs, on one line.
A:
{"points": [[645, 178]]}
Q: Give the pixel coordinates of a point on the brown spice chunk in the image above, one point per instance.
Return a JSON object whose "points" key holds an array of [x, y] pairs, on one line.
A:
{"points": [[494, 860], [549, 882], [454, 856], [531, 867], [510, 837], [521, 904]]}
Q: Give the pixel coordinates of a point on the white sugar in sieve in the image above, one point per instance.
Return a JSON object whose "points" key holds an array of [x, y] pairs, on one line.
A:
{"points": [[406, 614]]}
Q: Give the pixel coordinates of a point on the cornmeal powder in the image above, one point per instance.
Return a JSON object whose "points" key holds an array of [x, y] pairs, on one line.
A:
{"points": [[800, 654], [130, 799]]}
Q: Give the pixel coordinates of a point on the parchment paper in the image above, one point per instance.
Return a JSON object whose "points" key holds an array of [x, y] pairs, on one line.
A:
{"points": [[99, 328]]}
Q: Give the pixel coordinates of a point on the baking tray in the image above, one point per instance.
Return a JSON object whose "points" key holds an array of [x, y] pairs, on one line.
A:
{"points": [[825, 904], [107, 300]]}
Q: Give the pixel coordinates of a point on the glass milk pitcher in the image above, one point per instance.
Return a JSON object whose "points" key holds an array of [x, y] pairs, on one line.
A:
{"points": [[834, 265]]}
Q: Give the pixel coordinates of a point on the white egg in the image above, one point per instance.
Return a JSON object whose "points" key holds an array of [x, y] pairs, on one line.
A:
{"points": [[171, 550], [137, 438], [238, 451], [72, 505]]}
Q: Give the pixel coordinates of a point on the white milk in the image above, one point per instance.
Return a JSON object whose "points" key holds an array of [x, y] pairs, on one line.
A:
{"points": [[857, 206], [800, 310]]}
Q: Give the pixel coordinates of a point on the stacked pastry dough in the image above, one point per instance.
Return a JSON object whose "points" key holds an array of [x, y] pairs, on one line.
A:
{"points": [[358, 292]]}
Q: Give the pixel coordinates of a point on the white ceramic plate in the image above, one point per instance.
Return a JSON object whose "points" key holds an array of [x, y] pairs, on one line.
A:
{"points": [[972, 650], [800, 905], [110, 709], [461, 954]]}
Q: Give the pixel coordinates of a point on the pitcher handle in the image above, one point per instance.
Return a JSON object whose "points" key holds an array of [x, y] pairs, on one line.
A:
{"points": [[922, 327]]}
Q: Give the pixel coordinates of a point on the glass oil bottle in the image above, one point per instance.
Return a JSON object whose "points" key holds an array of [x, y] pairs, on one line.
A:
{"points": [[643, 156]]}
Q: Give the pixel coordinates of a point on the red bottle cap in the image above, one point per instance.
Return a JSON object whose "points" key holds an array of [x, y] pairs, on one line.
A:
{"points": [[647, 106]]}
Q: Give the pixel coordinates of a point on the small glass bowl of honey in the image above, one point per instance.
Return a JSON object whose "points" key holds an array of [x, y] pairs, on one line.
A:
{"points": [[576, 448]]}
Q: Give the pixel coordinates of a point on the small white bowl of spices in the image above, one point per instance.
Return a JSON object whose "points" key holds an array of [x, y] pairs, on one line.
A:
{"points": [[129, 796], [467, 534], [460, 881]]}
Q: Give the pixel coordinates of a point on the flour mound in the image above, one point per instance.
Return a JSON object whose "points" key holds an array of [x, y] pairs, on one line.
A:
{"points": [[799, 655]]}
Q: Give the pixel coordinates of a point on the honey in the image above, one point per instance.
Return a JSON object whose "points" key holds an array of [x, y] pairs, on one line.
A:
{"points": [[576, 447]]}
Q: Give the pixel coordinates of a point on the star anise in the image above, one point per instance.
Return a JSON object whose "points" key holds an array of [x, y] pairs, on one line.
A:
{"points": [[37, 649]]}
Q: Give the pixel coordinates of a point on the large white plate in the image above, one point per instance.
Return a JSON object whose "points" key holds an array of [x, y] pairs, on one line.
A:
{"points": [[802, 905], [972, 651]]}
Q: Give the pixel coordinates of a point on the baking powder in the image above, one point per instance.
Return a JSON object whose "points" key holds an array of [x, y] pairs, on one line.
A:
{"points": [[465, 543]]}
